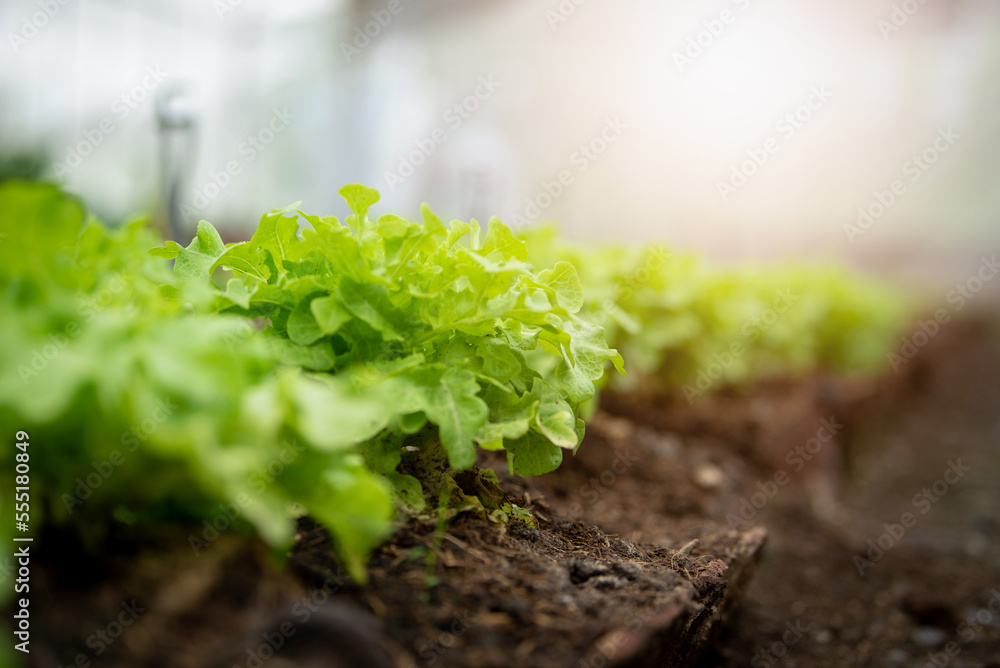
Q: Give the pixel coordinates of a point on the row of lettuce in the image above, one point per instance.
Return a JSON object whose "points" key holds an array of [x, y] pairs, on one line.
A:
{"points": [[685, 324], [299, 371]]}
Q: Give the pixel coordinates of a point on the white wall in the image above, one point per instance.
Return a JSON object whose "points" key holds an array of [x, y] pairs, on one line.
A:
{"points": [[354, 119]]}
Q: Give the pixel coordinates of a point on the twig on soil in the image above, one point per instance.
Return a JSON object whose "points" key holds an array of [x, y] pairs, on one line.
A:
{"points": [[686, 549]]}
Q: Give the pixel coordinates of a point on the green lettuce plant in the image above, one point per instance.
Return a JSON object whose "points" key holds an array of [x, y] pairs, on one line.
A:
{"points": [[681, 321], [140, 409], [463, 341], [342, 371]]}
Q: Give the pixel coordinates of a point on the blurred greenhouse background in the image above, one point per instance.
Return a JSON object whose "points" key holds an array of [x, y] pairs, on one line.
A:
{"points": [[737, 127]]}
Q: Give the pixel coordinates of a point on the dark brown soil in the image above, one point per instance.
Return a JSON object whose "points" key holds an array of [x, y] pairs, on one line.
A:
{"points": [[911, 606], [556, 595], [907, 602], [717, 460], [643, 548], [560, 593]]}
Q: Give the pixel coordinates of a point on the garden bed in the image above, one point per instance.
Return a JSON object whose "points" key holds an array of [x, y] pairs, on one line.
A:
{"points": [[557, 594], [636, 551], [551, 595]]}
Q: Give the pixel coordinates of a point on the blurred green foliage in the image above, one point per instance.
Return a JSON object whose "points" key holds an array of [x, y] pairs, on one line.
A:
{"points": [[680, 321]]}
